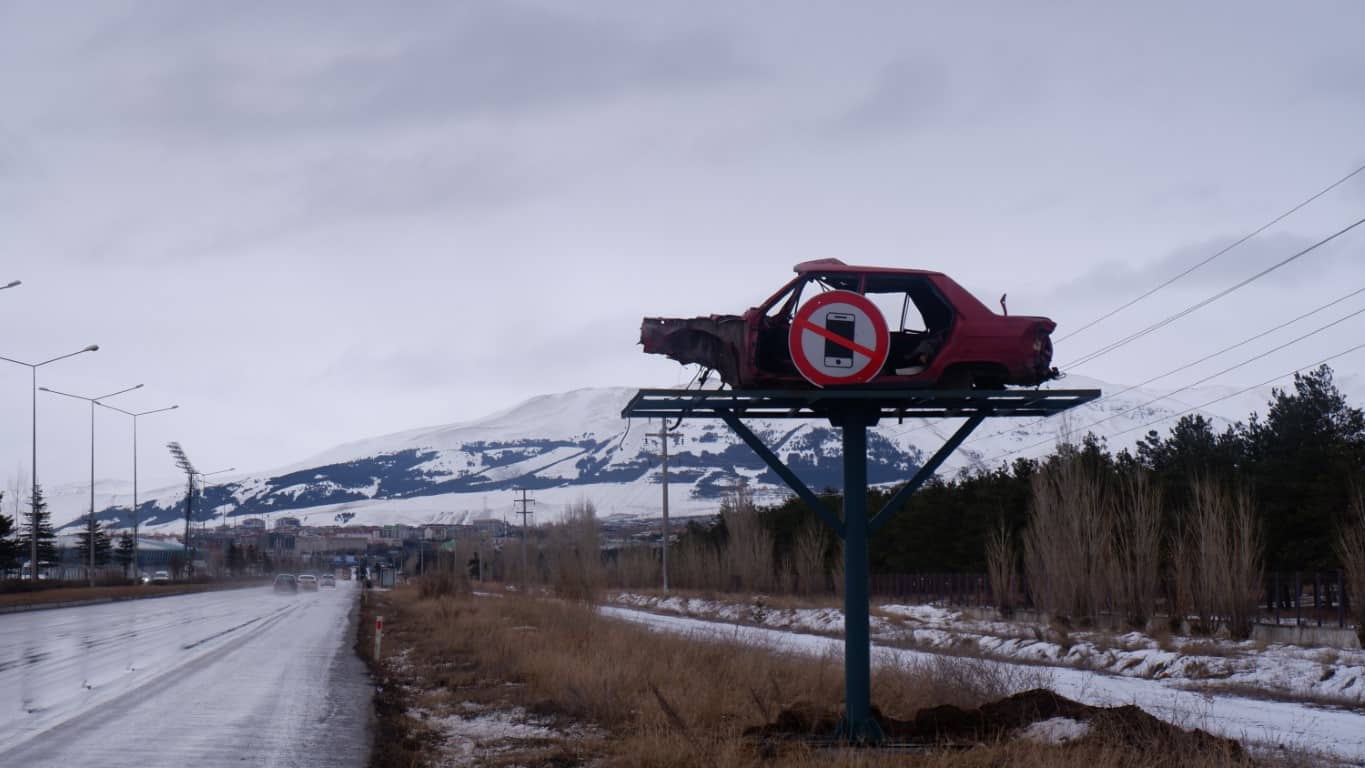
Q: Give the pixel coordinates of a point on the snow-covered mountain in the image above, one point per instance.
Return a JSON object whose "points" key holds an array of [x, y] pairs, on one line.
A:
{"points": [[575, 445]]}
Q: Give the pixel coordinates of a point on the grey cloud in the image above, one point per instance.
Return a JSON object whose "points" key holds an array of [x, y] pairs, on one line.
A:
{"points": [[1119, 279], [451, 63], [906, 95], [383, 183]]}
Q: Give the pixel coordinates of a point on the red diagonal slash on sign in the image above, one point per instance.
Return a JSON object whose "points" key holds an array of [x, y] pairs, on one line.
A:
{"points": [[842, 341]]}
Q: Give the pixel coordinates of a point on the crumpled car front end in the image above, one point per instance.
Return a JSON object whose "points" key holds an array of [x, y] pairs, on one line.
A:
{"points": [[714, 341]]}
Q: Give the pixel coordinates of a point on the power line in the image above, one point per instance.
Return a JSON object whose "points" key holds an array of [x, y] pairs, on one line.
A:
{"points": [[1190, 364], [1171, 372], [1201, 406], [1249, 360], [1211, 299], [1218, 253]]}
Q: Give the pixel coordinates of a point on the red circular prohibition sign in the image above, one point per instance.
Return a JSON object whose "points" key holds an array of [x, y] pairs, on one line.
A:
{"points": [[838, 337]]}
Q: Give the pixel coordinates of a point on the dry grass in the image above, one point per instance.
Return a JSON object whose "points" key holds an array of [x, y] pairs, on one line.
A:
{"points": [[667, 700]]}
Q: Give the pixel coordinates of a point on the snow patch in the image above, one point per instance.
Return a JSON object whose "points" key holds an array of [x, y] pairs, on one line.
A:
{"points": [[1056, 730]]}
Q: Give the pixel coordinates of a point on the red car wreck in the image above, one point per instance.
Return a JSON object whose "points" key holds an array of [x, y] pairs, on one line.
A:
{"points": [[937, 335]]}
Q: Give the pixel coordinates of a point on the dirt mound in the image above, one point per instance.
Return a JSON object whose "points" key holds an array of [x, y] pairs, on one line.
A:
{"points": [[999, 720]]}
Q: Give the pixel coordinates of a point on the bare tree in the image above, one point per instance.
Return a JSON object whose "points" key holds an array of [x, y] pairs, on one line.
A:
{"points": [[1002, 568], [1136, 571], [1067, 544], [1217, 559], [808, 557], [572, 553], [748, 544], [1351, 551]]}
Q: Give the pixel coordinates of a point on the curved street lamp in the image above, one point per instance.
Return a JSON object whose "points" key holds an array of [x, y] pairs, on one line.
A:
{"points": [[11, 284], [204, 487], [135, 415], [33, 515], [90, 522]]}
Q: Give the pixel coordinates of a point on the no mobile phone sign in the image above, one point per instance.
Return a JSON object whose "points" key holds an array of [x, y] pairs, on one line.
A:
{"points": [[838, 337]]}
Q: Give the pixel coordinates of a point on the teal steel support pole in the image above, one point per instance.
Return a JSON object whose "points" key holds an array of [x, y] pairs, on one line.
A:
{"points": [[858, 725]]}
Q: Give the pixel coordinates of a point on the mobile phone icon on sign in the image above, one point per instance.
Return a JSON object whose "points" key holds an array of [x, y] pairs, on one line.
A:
{"points": [[836, 354]]}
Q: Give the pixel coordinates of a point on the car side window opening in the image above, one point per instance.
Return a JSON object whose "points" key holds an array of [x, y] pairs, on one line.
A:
{"points": [[772, 348], [917, 317]]}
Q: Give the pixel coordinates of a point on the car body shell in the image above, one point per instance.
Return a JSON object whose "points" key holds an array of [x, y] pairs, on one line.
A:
{"points": [[327, 580], [308, 582], [969, 345], [285, 582]]}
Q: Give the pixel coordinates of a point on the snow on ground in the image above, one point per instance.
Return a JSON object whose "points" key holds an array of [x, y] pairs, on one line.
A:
{"points": [[1334, 732], [1056, 730], [476, 734], [1277, 670]]}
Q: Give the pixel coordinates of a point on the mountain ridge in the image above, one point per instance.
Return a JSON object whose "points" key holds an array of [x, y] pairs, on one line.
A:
{"points": [[571, 445]]}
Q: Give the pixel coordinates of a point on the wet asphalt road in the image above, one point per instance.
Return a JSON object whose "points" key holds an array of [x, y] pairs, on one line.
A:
{"points": [[241, 678]]}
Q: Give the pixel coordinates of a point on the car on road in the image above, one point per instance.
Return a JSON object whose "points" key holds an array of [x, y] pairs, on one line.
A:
{"points": [[285, 582], [327, 580], [940, 335], [161, 577], [308, 582]]}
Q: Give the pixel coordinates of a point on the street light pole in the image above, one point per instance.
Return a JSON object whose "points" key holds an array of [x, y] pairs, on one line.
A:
{"points": [[33, 490], [204, 487], [11, 284], [135, 415], [203, 491], [90, 522]]}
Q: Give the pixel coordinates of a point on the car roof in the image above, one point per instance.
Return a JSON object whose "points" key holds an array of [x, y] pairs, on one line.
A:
{"points": [[835, 265]]}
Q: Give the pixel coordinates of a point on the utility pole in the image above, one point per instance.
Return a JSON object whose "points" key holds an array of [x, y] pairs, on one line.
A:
{"points": [[525, 513], [662, 435]]}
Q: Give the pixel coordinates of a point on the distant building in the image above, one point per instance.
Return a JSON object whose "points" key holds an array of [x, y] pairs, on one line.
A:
{"points": [[288, 522], [253, 524], [398, 532]]}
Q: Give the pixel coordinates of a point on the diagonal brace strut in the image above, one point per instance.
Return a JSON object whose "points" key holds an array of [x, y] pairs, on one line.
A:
{"points": [[925, 472], [814, 502]]}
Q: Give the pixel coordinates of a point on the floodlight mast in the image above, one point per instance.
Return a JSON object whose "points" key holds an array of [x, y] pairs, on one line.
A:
{"points": [[90, 521], [183, 463]]}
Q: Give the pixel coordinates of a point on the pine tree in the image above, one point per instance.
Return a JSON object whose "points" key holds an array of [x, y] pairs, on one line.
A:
{"points": [[235, 559], [39, 521], [124, 553], [9, 548], [103, 547]]}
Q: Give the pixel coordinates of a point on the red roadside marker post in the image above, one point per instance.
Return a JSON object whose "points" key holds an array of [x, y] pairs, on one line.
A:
{"points": [[378, 634]]}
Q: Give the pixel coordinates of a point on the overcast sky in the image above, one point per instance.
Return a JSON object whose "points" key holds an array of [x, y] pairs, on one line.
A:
{"points": [[312, 222]]}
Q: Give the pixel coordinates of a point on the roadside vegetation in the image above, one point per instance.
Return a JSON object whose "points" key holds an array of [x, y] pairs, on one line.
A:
{"points": [[508, 679], [1179, 531]]}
